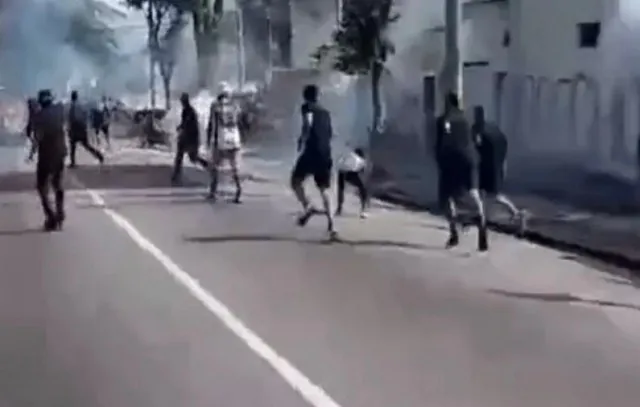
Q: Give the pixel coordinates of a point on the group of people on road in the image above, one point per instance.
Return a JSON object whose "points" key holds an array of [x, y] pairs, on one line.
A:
{"points": [[49, 125], [223, 140], [471, 159]]}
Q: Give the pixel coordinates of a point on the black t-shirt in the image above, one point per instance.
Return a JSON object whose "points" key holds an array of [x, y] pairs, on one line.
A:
{"points": [[190, 126], [454, 139], [316, 140], [492, 146]]}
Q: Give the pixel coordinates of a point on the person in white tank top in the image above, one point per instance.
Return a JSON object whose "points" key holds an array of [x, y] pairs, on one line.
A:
{"points": [[352, 168], [223, 138]]}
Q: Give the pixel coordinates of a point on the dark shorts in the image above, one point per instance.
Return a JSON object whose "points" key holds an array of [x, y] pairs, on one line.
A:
{"points": [[456, 178], [100, 127], [491, 179], [319, 168]]}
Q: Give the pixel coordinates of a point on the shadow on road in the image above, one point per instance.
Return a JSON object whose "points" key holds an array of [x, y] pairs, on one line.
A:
{"points": [[562, 298], [20, 232], [275, 238], [106, 177]]}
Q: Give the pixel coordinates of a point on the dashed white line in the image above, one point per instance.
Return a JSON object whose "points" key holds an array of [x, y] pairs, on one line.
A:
{"points": [[313, 394]]}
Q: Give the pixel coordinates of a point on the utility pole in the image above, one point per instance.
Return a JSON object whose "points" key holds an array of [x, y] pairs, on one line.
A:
{"points": [[241, 55], [451, 76]]}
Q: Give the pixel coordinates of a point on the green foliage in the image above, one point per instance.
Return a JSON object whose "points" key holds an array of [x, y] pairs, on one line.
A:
{"points": [[360, 42]]}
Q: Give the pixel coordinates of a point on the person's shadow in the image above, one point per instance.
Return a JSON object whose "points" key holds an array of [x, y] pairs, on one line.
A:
{"points": [[337, 241], [21, 232]]}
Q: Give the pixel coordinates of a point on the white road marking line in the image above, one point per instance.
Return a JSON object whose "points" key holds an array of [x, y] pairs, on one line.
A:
{"points": [[313, 394]]}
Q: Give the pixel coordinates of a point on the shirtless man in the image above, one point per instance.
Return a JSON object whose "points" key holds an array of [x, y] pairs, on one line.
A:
{"points": [[223, 137]]}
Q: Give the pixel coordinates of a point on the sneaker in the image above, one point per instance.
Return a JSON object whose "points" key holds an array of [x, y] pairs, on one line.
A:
{"points": [[364, 215], [304, 217], [454, 240]]}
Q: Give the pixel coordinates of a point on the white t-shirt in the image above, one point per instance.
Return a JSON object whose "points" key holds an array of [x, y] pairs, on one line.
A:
{"points": [[352, 162], [228, 132]]}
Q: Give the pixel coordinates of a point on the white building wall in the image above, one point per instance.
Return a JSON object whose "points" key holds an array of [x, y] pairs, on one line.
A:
{"points": [[550, 38]]}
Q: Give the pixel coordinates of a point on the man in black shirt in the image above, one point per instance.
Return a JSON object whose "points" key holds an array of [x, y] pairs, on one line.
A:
{"points": [[78, 130], [314, 146], [493, 145], [49, 142], [100, 118], [188, 139], [457, 160]]}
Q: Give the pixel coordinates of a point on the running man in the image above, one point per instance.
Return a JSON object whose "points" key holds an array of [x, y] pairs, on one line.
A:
{"points": [[457, 159], [78, 131], [49, 143], [223, 138], [188, 138], [314, 146], [100, 118], [351, 170], [493, 145]]}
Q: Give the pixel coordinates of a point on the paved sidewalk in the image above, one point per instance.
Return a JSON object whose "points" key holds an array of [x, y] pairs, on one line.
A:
{"points": [[589, 213]]}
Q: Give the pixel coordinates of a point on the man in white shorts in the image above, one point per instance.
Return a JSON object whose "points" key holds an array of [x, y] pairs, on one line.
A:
{"points": [[223, 138]]}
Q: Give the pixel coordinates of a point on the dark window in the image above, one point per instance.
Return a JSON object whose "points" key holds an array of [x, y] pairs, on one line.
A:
{"points": [[506, 38], [588, 35]]}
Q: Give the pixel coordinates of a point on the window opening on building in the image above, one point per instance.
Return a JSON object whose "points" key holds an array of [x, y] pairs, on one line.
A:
{"points": [[588, 34]]}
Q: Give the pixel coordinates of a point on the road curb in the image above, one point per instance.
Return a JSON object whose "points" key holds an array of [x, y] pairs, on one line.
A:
{"points": [[616, 259]]}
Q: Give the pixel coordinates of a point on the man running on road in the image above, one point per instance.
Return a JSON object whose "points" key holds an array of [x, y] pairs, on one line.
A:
{"points": [[314, 146], [457, 160], [100, 117], [493, 145], [223, 138], [78, 130], [49, 142], [188, 139]]}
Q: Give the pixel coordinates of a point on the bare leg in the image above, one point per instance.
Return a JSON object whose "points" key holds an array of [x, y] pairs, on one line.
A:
{"points": [[326, 207], [481, 220], [518, 216], [451, 215], [236, 176]]}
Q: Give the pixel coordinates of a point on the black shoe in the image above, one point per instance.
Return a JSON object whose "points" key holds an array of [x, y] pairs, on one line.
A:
{"points": [[60, 220], [303, 219], [454, 240], [237, 198], [50, 224]]}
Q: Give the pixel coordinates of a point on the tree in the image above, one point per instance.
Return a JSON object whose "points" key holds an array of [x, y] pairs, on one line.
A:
{"points": [[207, 16], [164, 21], [360, 45]]}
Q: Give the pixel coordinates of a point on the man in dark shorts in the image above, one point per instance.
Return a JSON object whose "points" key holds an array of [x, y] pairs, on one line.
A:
{"points": [[188, 139], [457, 160], [314, 146], [493, 145], [78, 130], [49, 142]]}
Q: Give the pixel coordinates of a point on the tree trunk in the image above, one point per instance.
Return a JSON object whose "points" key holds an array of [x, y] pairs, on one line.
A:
{"points": [[207, 54], [376, 99], [166, 84], [152, 81]]}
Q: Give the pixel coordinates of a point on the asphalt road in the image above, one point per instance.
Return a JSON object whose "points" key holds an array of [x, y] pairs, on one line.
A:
{"points": [[152, 297]]}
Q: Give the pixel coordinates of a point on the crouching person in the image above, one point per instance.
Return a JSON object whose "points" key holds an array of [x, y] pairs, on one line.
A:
{"points": [[352, 170]]}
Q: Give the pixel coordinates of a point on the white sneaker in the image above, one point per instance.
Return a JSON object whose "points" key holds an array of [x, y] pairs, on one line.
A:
{"points": [[364, 215]]}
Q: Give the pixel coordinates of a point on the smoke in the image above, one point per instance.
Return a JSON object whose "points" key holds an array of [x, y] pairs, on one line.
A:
{"points": [[418, 48], [45, 43]]}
